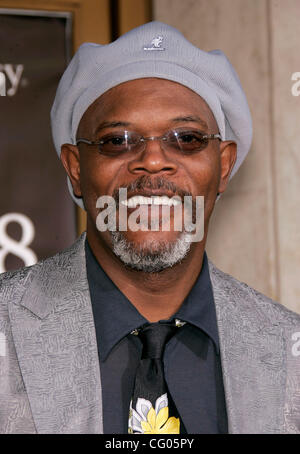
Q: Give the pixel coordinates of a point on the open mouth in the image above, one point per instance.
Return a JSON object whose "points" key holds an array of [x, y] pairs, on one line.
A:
{"points": [[163, 200]]}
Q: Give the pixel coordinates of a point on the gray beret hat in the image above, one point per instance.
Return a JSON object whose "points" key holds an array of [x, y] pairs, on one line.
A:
{"points": [[151, 50]]}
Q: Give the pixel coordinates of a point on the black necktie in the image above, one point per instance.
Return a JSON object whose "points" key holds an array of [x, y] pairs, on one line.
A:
{"points": [[152, 410]]}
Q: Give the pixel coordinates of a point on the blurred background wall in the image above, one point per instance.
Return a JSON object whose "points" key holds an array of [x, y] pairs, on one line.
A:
{"points": [[255, 229]]}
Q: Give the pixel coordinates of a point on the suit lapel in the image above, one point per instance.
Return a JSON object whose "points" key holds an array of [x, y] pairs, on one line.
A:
{"points": [[252, 355], [54, 335]]}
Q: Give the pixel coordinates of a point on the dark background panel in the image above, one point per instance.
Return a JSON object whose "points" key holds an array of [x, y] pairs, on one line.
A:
{"points": [[32, 179]]}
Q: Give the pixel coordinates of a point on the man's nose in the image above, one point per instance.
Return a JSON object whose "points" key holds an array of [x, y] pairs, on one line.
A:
{"points": [[152, 159]]}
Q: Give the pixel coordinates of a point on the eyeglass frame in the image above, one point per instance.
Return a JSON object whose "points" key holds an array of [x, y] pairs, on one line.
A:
{"points": [[144, 139]]}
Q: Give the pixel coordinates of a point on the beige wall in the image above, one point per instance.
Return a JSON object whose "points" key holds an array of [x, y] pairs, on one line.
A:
{"points": [[255, 230]]}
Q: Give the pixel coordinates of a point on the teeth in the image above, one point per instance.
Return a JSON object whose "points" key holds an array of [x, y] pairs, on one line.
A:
{"points": [[155, 200]]}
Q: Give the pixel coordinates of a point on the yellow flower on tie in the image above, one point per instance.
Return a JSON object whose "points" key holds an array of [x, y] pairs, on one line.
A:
{"points": [[160, 423], [146, 419]]}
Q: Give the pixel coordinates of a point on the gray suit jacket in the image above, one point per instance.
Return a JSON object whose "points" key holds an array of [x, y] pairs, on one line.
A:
{"points": [[49, 368]]}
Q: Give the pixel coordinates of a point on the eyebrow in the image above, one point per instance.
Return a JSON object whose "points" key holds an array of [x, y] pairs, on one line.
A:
{"points": [[117, 124], [111, 124], [195, 119]]}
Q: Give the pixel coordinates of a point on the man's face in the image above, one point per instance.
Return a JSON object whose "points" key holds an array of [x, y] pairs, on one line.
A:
{"points": [[149, 107]]}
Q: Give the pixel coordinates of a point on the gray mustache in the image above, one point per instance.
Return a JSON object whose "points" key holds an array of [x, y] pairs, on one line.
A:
{"points": [[146, 182]]}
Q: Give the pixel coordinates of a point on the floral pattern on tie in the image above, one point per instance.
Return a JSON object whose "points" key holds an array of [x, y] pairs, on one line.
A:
{"points": [[147, 420]]}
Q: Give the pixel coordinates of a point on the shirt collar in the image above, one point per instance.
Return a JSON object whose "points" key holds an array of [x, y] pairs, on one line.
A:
{"points": [[115, 316], [198, 307]]}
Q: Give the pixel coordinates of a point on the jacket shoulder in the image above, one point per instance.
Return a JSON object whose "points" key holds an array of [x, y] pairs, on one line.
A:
{"points": [[14, 283], [11, 282], [252, 299]]}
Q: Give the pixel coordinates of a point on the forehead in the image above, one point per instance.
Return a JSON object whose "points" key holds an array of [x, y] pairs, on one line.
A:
{"points": [[149, 100]]}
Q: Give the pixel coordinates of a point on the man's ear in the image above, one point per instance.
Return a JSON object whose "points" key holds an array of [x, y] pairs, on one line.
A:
{"points": [[70, 159], [228, 150]]}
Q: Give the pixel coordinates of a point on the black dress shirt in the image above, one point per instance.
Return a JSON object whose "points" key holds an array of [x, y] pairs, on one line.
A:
{"points": [[191, 360]]}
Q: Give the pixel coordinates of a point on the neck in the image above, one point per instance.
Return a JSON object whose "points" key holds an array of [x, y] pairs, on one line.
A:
{"points": [[157, 296]]}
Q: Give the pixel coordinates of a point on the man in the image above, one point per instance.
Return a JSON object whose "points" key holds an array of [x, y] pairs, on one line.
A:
{"points": [[132, 329]]}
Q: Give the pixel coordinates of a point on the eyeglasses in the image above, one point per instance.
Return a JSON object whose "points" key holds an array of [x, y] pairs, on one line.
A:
{"points": [[184, 140]]}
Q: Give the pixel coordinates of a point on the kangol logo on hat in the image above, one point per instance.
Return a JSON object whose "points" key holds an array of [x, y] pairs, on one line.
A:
{"points": [[156, 44]]}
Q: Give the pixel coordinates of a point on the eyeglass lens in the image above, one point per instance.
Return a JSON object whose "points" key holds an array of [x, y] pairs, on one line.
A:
{"points": [[184, 140]]}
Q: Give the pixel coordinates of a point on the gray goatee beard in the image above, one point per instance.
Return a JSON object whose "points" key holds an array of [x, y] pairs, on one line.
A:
{"points": [[152, 256]]}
